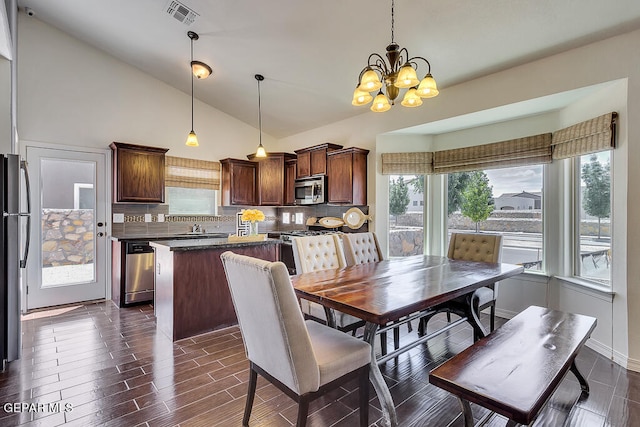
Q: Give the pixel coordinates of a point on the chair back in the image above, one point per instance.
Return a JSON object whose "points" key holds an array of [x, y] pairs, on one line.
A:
{"points": [[475, 247], [360, 248], [313, 253], [273, 329]]}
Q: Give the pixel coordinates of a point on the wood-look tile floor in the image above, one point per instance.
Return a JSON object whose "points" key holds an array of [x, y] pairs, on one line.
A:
{"points": [[96, 365]]}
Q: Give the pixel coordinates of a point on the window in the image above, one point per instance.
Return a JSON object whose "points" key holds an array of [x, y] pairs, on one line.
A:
{"points": [[406, 226], [191, 201], [592, 214], [507, 201]]}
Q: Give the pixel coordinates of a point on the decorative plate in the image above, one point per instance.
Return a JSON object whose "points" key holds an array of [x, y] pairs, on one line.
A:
{"points": [[331, 222], [354, 218]]}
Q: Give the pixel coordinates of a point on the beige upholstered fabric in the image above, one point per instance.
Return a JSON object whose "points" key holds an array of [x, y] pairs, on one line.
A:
{"points": [[478, 247], [360, 248], [302, 355], [313, 253], [323, 252]]}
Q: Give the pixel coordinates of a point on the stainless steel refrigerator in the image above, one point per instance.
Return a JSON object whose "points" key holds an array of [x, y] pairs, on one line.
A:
{"points": [[13, 253]]}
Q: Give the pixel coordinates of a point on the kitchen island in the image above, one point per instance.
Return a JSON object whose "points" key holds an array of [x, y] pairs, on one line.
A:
{"points": [[192, 295]]}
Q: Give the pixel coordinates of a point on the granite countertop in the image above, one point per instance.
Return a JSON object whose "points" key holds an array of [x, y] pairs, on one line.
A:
{"points": [[208, 243], [167, 236]]}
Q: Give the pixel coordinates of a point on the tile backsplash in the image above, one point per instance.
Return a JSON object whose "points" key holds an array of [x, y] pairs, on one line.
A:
{"points": [[154, 219]]}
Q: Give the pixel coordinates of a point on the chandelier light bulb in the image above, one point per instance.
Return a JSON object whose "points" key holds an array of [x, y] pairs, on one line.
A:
{"points": [[428, 87], [370, 81], [411, 98], [406, 77], [192, 139], [361, 97], [380, 103]]}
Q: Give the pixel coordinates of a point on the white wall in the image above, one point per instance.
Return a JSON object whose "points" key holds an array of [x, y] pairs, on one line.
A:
{"points": [[72, 94]]}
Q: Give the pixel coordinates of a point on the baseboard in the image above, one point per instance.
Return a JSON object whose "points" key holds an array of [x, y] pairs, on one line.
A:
{"points": [[505, 314]]}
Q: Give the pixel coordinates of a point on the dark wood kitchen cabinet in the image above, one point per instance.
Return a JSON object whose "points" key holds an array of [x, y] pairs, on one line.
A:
{"points": [[138, 173], [239, 182], [271, 178], [313, 160], [347, 176], [290, 170]]}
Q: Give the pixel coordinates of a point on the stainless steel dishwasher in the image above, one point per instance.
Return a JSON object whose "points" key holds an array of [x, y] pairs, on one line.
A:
{"points": [[139, 272]]}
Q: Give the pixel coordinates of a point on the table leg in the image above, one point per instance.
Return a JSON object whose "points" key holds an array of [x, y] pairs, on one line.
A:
{"points": [[390, 419], [331, 317], [474, 318], [584, 385]]}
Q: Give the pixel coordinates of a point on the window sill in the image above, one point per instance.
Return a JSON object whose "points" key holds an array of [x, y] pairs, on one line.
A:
{"points": [[587, 287]]}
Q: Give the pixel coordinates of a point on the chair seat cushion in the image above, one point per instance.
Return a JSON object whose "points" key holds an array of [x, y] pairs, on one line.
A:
{"points": [[337, 353], [317, 310], [485, 295]]}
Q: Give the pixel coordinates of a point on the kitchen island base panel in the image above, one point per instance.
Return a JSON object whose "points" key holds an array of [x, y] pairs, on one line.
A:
{"points": [[192, 294]]}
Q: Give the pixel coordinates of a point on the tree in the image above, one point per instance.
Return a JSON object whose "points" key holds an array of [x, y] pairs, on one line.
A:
{"points": [[456, 184], [477, 198], [398, 197], [596, 199]]}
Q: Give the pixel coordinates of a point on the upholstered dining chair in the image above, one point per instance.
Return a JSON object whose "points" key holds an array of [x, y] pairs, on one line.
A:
{"points": [[302, 358], [360, 248], [482, 247], [321, 252]]}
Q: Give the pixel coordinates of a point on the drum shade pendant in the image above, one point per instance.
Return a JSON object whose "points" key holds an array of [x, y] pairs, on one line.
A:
{"points": [[388, 77], [260, 152], [201, 71]]}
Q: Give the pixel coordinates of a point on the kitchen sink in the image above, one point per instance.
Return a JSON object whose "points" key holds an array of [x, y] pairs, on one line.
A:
{"points": [[205, 235]]}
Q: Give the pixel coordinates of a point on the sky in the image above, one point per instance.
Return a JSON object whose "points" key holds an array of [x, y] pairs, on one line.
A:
{"points": [[515, 180]]}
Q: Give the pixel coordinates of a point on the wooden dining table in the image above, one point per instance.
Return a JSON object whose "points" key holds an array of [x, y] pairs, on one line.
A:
{"points": [[388, 293]]}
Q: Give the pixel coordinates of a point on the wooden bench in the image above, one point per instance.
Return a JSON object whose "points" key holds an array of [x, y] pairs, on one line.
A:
{"points": [[515, 370]]}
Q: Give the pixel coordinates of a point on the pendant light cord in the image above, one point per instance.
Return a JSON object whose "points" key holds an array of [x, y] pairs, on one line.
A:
{"points": [[259, 113], [191, 72]]}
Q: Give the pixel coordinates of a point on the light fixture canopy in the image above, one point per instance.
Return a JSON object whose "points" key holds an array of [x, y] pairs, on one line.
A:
{"points": [[260, 152], [201, 71], [397, 72]]}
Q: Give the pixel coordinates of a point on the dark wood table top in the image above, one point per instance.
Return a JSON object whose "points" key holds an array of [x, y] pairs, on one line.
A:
{"points": [[388, 290]]}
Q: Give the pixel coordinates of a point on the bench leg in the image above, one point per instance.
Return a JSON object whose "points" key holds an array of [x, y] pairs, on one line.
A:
{"points": [[467, 415], [583, 382]]}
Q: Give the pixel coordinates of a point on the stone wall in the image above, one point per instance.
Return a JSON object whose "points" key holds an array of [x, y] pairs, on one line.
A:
{"points": [[67, 237], [406, 234]]}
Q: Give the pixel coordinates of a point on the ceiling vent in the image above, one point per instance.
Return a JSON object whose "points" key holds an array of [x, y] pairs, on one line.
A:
{"points": [[181, 12]]}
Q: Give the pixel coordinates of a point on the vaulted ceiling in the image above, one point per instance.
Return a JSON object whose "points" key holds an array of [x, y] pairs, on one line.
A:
{"points": [[311, 52]]}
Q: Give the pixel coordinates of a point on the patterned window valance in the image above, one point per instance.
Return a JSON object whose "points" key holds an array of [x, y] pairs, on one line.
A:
{"points": [[530, 150], [407, 163], [191, 173], [590, 136]]}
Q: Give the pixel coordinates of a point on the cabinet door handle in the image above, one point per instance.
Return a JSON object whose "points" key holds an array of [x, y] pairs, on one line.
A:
{"points": [[100, 234]]}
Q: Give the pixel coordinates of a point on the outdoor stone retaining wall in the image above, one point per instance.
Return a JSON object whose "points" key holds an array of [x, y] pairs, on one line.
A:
{"points": [[67, 237]]}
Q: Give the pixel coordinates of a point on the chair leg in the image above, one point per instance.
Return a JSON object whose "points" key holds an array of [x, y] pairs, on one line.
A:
{"points": [[396, 338], [448, 316], [251, 392], [364, 396], [303, 411], [383, 343], [492, 317]]}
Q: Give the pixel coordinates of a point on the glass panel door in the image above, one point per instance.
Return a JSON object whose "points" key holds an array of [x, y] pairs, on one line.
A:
{"points": [[69, 261]]}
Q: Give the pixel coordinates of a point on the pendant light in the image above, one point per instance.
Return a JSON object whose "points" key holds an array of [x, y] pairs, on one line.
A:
{"points": [[260, 152], [201, 71]]}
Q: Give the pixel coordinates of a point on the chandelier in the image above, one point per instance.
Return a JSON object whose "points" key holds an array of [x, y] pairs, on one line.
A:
{"points": [[201, 71], [398, 73]]}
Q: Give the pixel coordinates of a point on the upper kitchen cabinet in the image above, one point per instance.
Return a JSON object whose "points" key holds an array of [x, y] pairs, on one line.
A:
{"points": [[290, 173], [239, 178], [313, 160], [272, 183], [347, 176], [138, 173]]}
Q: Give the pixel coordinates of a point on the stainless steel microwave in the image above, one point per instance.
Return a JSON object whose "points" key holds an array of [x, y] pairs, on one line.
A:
{"points": [[311, 191]]}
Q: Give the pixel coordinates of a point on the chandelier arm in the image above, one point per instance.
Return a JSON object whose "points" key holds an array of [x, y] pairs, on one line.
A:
{"points": [[411, 60], [378, 63]]}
